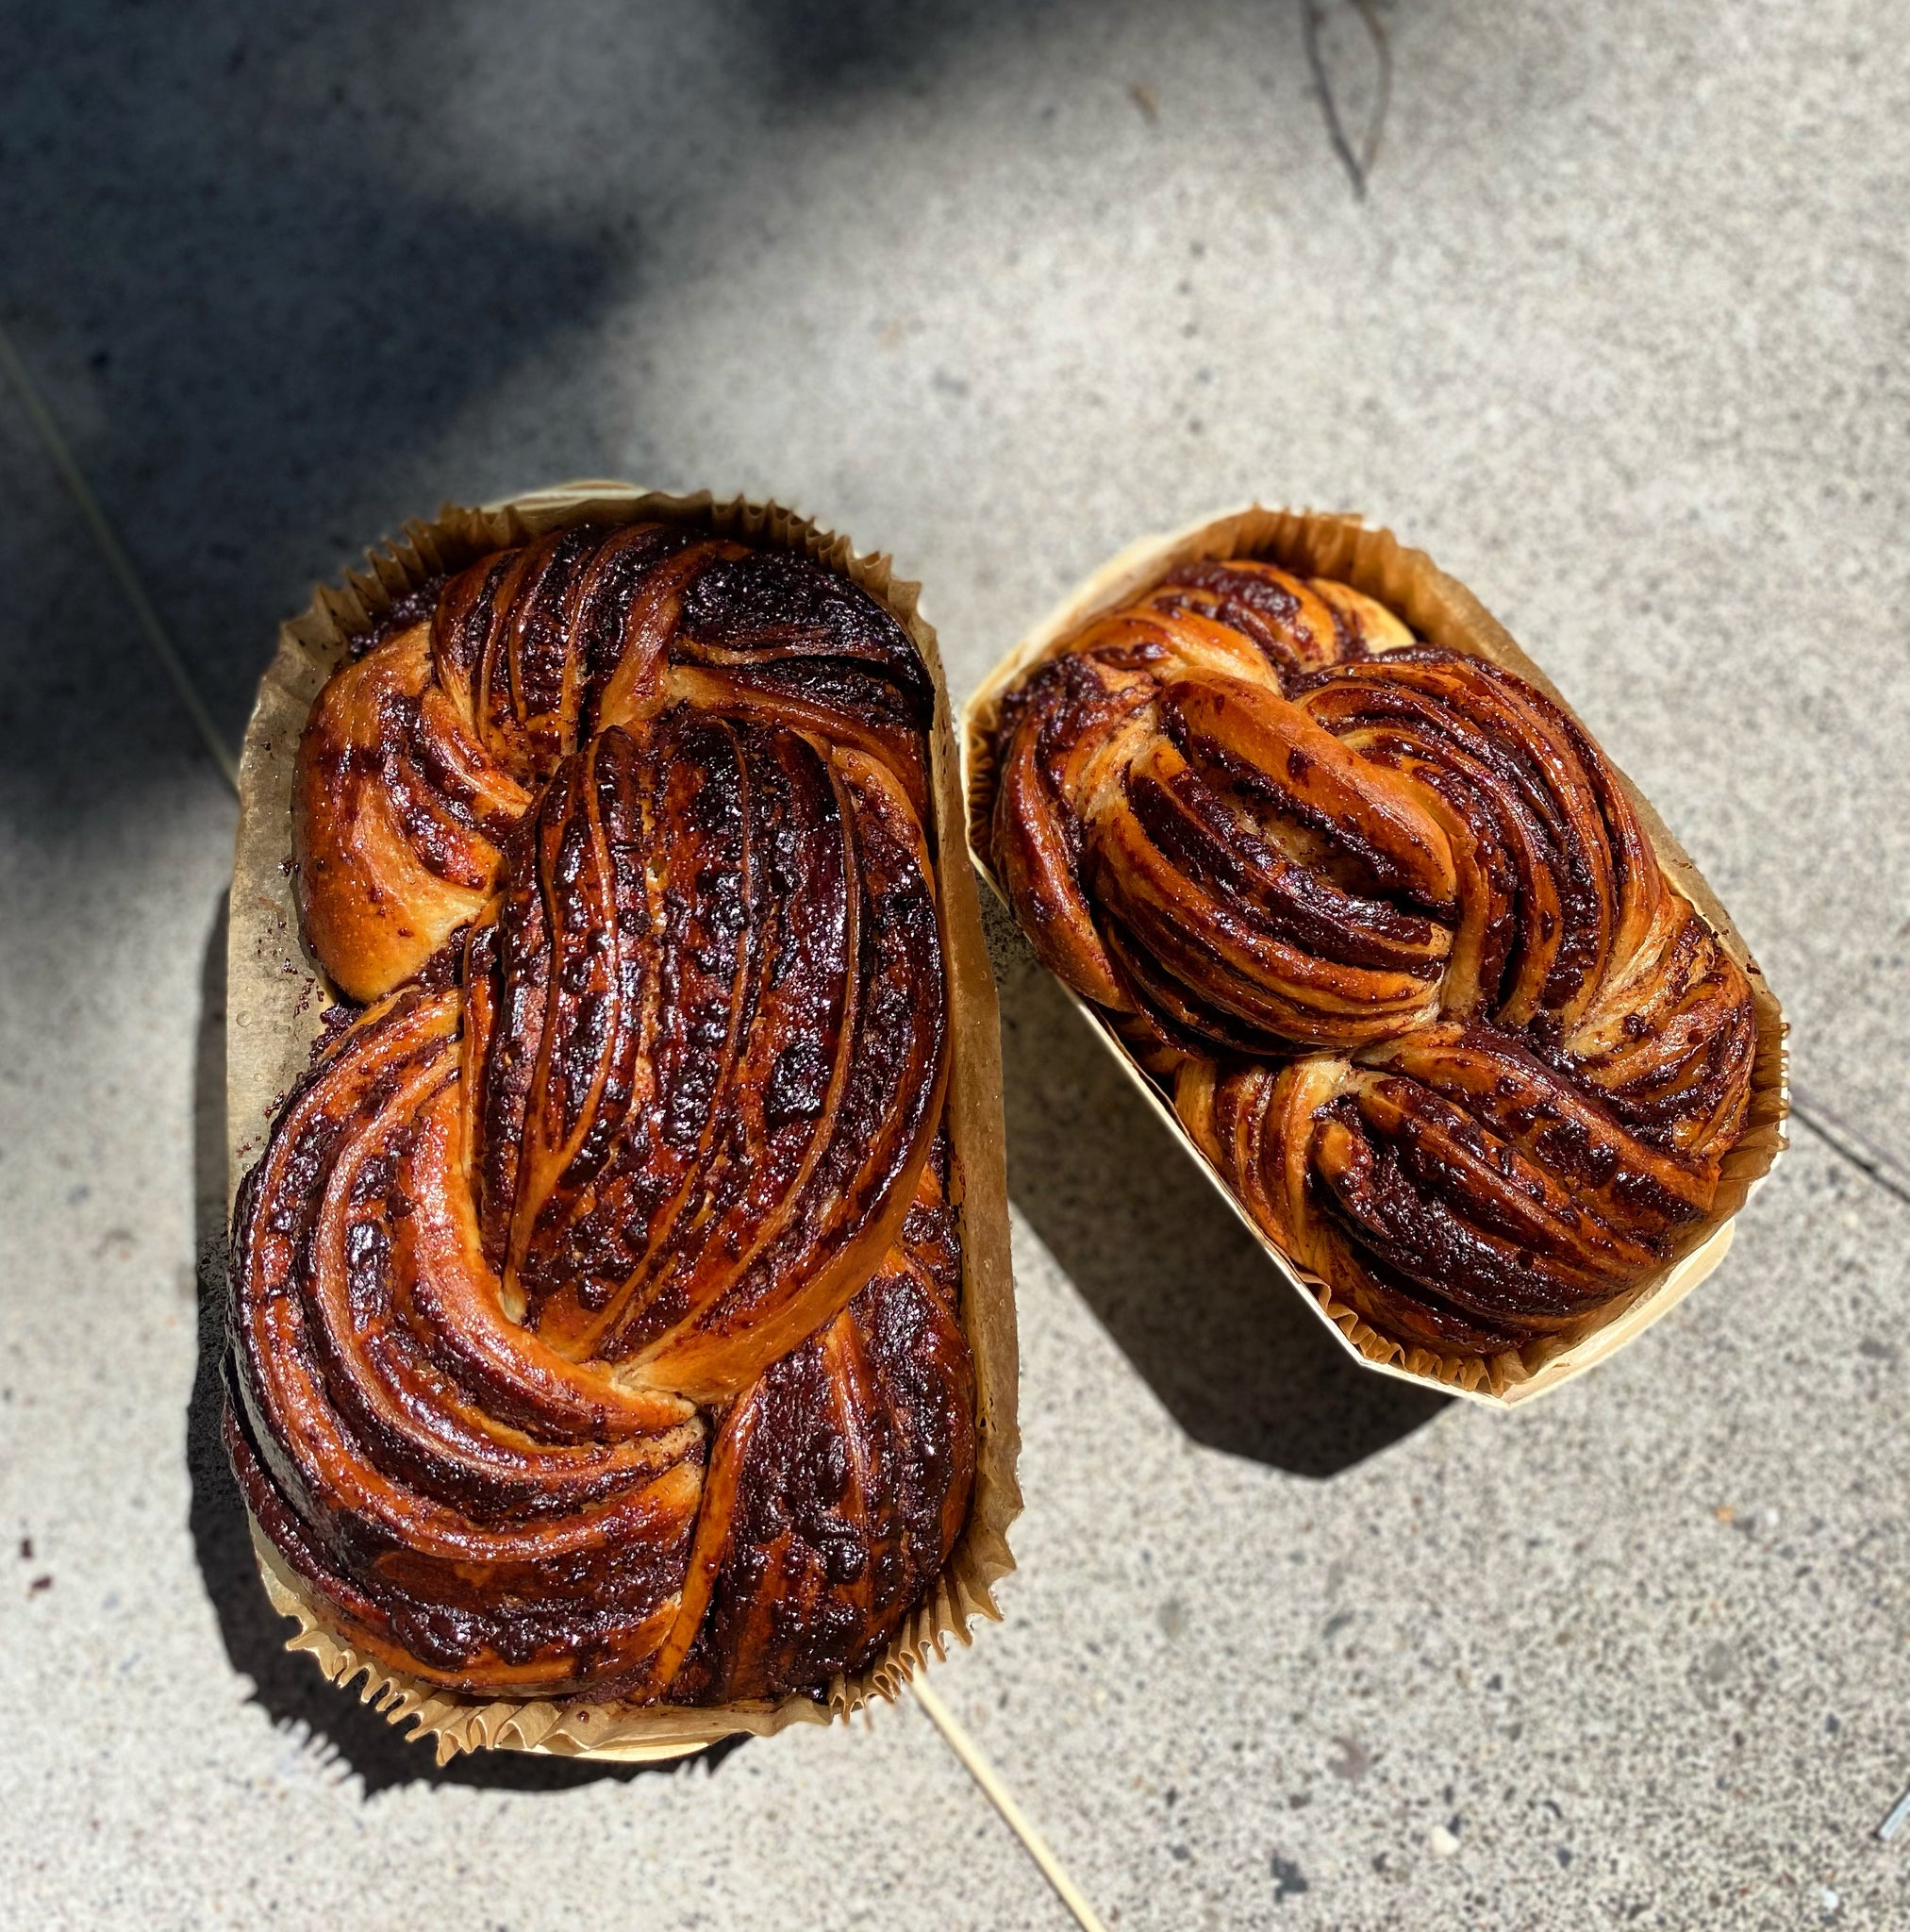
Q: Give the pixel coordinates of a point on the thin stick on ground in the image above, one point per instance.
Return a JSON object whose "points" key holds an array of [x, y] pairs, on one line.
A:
{"points": [[998, 1794], [1853, 1143], [117, 561]]}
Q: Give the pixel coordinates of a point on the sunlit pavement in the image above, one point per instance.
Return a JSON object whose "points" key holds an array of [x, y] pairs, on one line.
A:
{"points": [[1617, 334]]}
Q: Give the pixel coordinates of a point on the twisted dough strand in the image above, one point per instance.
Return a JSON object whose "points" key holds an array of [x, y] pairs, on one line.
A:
{"points": [[1386, 919], [595, 1328]]}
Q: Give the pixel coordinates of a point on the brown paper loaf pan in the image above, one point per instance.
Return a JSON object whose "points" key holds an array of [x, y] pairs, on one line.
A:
{"points": [[276, 999], [1444, 612]]}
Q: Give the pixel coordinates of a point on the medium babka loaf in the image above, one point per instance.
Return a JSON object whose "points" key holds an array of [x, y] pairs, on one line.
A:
{"points": [[595, 1326], [1386, 922]]}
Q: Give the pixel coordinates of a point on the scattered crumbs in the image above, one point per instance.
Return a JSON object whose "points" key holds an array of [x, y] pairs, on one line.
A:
{"points": [[1443, 1842], [38, 1584], [26, 1549], [1725, 1512]]}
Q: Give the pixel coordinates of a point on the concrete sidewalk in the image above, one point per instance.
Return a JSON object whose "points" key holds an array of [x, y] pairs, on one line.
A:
{"points": [[1617, 334]]}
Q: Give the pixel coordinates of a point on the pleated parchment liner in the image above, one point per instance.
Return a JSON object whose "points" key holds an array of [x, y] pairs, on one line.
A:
{"points": [[1444, 612], [276, 999]]}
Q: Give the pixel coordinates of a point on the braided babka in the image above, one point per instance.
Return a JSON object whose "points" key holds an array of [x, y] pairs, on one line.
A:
{"points": [[1386, 923], [595, 1329]]}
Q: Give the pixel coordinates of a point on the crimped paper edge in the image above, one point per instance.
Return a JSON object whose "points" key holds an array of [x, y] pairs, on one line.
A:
{"points": [[1443, 610], [276, 993]]}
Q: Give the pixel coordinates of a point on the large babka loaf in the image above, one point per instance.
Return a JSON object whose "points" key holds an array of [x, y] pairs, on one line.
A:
{"points": [[595, 1326], [1386, 922]]}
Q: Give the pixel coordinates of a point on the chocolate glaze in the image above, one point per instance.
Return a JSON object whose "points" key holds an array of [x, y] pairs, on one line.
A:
{"points": [[851, 1460]]}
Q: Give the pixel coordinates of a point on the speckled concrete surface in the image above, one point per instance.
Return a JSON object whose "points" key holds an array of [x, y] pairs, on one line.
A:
{"points": [[1618, 334]]}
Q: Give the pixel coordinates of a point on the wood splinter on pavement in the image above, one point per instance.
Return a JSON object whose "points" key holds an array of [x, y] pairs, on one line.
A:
{"points": [[998, 1794], [117, 561]]}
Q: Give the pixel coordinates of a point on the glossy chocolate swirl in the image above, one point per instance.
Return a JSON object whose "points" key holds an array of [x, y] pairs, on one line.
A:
{"points": [[1387, 922], [597, 1328]]}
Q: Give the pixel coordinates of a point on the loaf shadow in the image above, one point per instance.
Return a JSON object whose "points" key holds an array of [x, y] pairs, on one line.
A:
{"points": [[287, 1686], [269, 333], [1181, 1287], [290, 275]]}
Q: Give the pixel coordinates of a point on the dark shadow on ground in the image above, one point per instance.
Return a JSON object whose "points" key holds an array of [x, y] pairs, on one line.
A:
{"points": [[288, 1685], [289, 275], [1228, 1347], [266, 323]]}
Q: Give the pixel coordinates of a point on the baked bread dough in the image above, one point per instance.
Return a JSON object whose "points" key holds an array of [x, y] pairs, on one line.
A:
{"points": [[1383, 918], [595, 1327]]}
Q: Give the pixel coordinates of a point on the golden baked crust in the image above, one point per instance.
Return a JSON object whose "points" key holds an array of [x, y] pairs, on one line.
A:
{"points": [[1385, 920], [596, 1318]]}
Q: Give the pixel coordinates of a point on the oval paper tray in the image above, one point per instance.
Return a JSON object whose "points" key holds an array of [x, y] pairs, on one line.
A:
{"points": [[1444, 612], [276, 1002]]}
